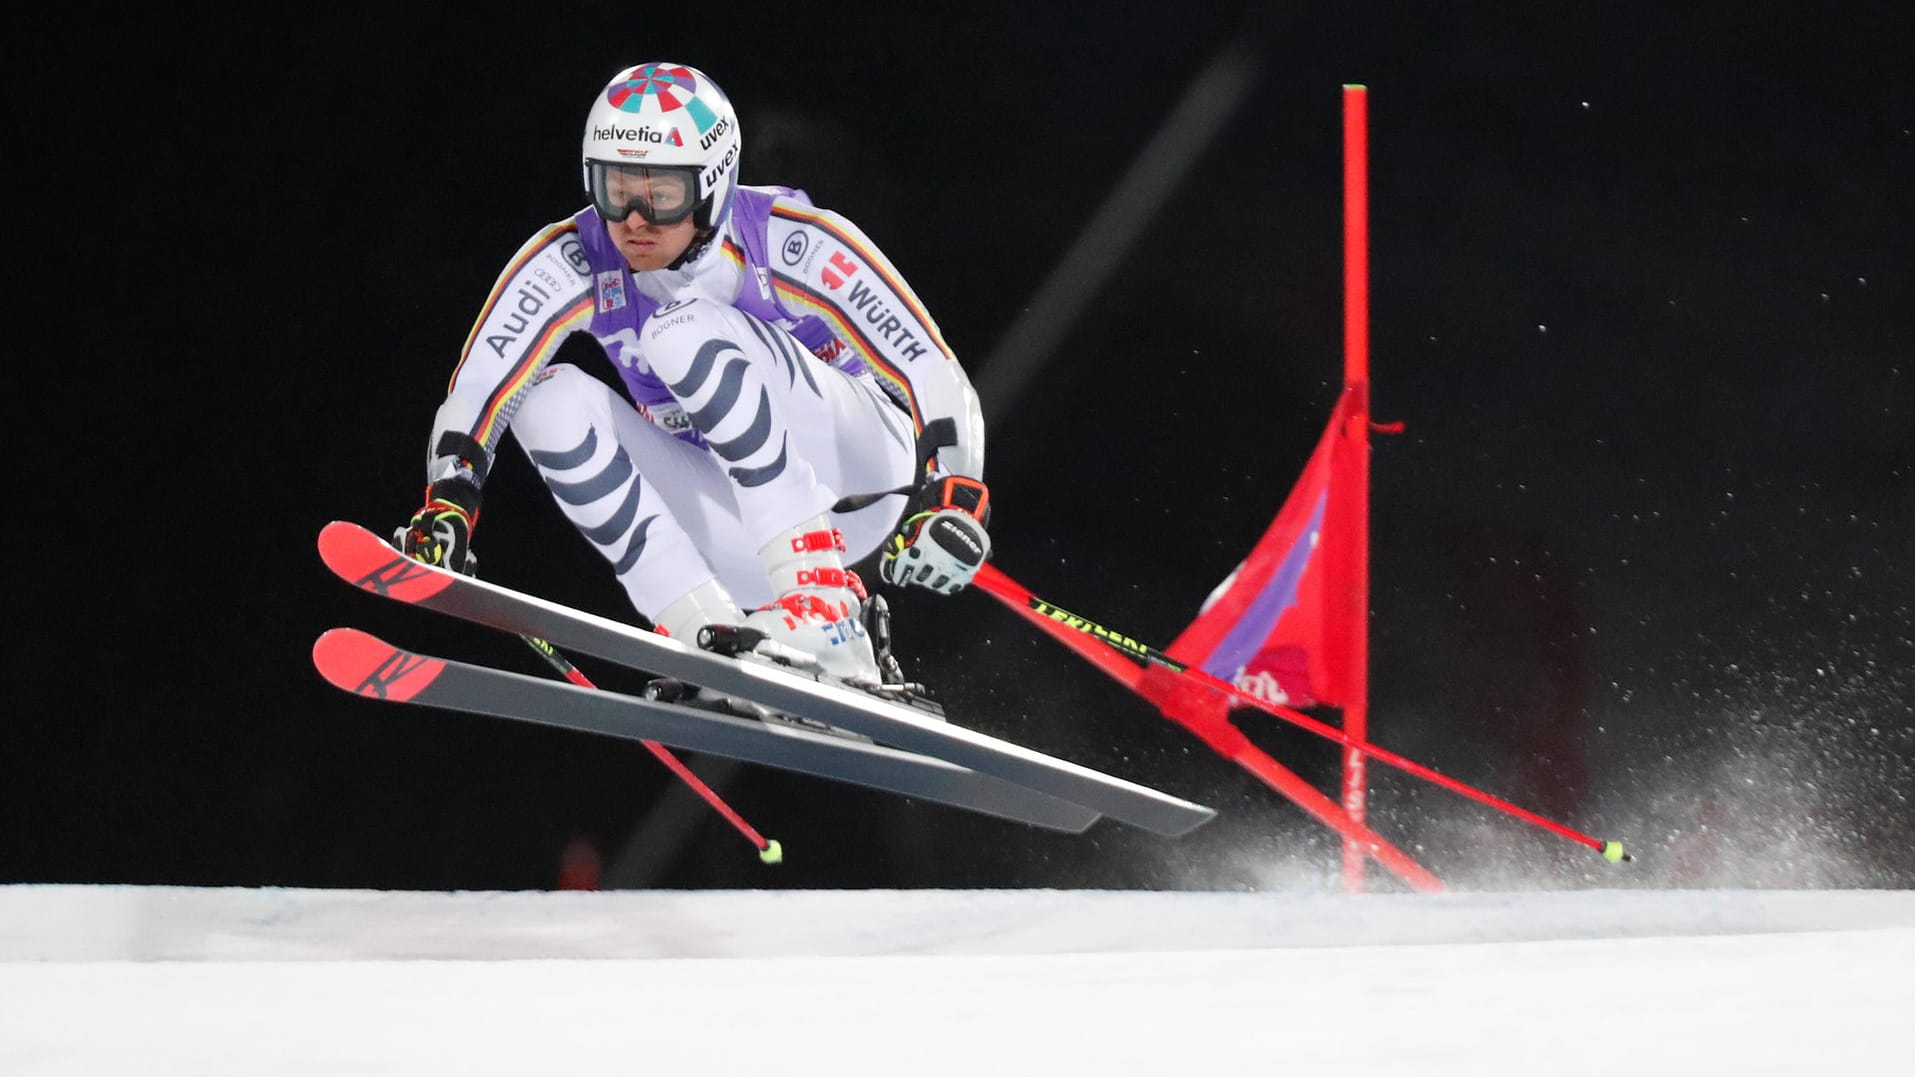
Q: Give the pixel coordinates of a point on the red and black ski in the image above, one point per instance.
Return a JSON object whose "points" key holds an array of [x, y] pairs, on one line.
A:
{"points": [[365, 665], [366, 561]]}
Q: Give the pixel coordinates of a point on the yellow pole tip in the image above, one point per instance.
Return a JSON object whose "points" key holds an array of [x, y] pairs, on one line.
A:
{"points": [[772, 853]]}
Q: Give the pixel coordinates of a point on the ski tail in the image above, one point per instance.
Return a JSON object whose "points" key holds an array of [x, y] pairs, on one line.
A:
{"points": [[1279, 627]]}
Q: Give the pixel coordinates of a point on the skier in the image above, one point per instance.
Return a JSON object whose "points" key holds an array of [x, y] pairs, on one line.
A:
{"points": [[792, 407]]}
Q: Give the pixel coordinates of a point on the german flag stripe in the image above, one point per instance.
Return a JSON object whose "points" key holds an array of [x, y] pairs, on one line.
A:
{"points": [[884, 269], [532, 249], [812, 302], [498, 406]]}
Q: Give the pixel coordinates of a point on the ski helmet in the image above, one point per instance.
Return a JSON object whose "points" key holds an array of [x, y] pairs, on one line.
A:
{"points": [[658, 122]]}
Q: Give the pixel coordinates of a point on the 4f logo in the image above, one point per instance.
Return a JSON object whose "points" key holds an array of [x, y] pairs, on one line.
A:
{"points": [[845, 268]]}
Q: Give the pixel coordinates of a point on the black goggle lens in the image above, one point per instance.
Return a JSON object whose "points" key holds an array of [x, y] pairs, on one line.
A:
{"points": [[615, 197], [644, 210]]}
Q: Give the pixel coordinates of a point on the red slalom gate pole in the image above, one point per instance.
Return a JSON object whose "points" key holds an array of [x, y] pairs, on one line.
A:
{"points": [[769, 850], [1355, 490]]}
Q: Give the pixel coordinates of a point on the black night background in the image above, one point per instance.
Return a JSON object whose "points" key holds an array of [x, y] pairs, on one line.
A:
{"points": [[1644, 299]]}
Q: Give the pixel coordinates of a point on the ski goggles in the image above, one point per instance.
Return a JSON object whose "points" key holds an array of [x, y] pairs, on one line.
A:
{"points": [[659, 194]]}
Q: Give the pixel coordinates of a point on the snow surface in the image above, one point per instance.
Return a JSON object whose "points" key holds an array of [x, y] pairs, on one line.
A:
{"points": [[121, 980]]}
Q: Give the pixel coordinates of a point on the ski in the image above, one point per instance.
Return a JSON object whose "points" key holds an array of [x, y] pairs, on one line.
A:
{"points": [[366, 561], [364, 665]]}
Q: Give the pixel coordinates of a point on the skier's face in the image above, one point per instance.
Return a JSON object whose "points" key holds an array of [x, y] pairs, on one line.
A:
{"points": [[650, 246]]}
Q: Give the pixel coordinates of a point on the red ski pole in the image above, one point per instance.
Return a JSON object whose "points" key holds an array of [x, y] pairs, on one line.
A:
{"points": [[769, 850], [1016, 596]]}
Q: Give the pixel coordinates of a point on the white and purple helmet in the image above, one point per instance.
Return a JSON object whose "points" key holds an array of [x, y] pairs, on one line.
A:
{"points": [[663, 119]]}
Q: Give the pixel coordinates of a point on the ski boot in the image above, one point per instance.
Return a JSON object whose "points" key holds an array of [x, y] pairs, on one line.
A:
{"points": [[816, 623], [892, 685]]}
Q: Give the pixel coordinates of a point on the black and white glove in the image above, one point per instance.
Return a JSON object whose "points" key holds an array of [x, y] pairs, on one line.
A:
{"points": [[941, 544], [440, 533]]}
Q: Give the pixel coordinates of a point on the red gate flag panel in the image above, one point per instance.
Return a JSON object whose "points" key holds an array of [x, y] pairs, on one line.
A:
{"points": [[1270, 627]]}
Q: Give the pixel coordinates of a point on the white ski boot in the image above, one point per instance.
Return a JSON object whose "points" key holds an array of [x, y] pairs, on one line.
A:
{"points": [[820, 606], [707, 604]]}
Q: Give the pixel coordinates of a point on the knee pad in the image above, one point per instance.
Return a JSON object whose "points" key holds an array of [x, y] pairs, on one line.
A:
{"points": [[559, 402], [678, 335], [703, 353]]}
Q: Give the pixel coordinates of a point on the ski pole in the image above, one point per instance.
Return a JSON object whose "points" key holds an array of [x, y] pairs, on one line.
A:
{"points": [[769, 850], [1017, 597]]}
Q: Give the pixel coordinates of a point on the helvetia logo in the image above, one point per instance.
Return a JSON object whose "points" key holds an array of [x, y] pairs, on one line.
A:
{"points": [[669, 136]]}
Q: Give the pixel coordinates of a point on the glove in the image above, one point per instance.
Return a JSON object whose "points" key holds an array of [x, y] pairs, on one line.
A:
{"points": [[440, 533], [942, 543]]}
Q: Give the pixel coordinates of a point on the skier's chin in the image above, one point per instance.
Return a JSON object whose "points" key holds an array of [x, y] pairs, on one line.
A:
{"points": [[643, 254]]}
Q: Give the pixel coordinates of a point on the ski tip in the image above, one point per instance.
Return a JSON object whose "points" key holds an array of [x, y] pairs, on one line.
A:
{"points": [[369, 563], [340, 534], [365, 665]]}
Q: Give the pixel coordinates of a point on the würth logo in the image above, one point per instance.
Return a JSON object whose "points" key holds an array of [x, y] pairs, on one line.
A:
{"points": [[845, 268]]}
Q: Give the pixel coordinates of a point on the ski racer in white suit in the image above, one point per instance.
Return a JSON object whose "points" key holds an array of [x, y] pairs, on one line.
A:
{"points": [[792, 406]]}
